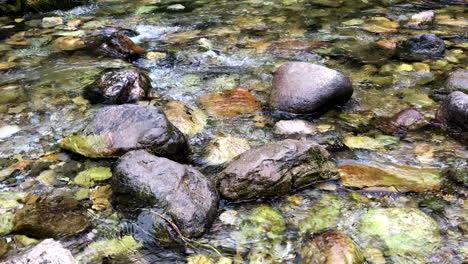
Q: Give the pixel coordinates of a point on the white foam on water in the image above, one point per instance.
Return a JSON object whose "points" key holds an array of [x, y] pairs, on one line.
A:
{"points": [[146, 32]]}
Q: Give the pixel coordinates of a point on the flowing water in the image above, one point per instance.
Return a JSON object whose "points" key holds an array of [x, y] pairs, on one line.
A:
{"points": [[216, 45]]}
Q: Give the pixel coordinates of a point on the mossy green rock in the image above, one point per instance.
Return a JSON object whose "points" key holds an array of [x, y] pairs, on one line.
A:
{"points": [[10, 199], [323, 215], [117, 247], [7, 223], [94, 146], [400, 233], [263, 220], [89, 177]]}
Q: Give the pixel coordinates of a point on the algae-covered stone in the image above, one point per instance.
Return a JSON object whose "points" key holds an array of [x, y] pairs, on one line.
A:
{"points": [[199, 259], [401, 232], [93, 146], [24, 241], [381, 25], [402, 178], [324, 214], [89, 177], [230, 103], [263, 221], [7, 223], [4, 247], [331, 248], [48, 177], [224, 149], [11, 199], [188, 120], [6, 173], [112, 248]]}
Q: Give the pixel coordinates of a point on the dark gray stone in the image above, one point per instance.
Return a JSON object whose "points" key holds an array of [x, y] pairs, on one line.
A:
{"points": [[275, 169], [176, 190], [305, 88], [458, 80], [130, 127], [421, 47], [119, 87], [454, 110]]}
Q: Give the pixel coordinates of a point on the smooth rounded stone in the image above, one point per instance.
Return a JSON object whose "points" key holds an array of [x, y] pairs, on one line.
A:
{"points": [[331, 248], [421, 47], [179, 191], [275, 170], [399, 178], [43, 217], [69, 43], [188, 120], [119, 46], [294, 127], [119, 87], [406, 120], [115, 130], [458, 80], [454, 110], [48, 22], [48, 251], [224, 149], [305, 88], [405, 233]]}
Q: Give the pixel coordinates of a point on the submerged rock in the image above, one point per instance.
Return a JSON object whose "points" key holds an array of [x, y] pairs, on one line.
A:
{"points": [[458, 80], [230, 103], [7, 222], [294, 127], [421, 47], [87, 178], [331, 248], [48, 251], [69, 43], [275, 169], [188, 120], [119, 46], [112, 248], [405, 233], [404, 121], [324, 214], [46, 218], [179, 191], [224, 149], [119, 87], [305, 88], [48, 22], [402, 178], [115, 130], [454, 110], [381, 25]]}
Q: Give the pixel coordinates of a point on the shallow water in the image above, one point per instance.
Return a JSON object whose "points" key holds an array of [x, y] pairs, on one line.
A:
{"points": [[213, 46]]}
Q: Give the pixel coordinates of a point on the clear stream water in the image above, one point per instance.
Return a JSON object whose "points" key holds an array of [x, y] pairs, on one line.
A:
{"points": [[217, 45]]}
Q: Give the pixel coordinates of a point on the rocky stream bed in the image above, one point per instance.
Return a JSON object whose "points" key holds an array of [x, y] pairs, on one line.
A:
{"points": [[245, 131]]}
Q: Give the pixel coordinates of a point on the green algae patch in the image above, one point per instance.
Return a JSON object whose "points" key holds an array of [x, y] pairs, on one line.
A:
{"points": [[263, 220], [94, 146], [89, 177], [401, 232], [112, 248], [11, 199], [402, 178], [323, 215], [7, 223]]}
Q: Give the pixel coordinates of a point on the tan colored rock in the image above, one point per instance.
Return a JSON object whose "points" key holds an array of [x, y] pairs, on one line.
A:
{"points": [[230, 103], [69, 43], [48, 22], [188, 120], [224, 149]]}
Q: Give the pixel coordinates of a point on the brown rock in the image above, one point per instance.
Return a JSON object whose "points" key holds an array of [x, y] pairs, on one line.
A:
{"points": [[121, 47], [69, 43], [230, 103]]}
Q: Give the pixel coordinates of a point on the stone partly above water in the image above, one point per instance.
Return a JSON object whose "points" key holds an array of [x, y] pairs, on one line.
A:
{"points": [[42, 217], [421, 47], [454, 110], [405, 234], [230, 103], [114, 130], [48, 251], [119, 46], [188, 120], [224, 149], [458, 80], [275, 169], [119, 87], [305, 88], [391, 177], [180, 191], [404, 121], [331, 248]]}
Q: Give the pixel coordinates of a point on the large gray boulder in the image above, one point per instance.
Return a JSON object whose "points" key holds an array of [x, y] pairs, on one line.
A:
{"points": [[117, 129], [275, 169], [458, 80], [48, 251], [306, 88], [454, 110], [178, 191]]}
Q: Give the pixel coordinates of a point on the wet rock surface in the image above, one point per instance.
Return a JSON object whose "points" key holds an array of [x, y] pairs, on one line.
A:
{"points": [[421, 47], [306, 88], [274, 170], [115, 130], [404, 121], [119, 87], [458, 80], [48, 251], [454, 110], [332, 247], [120, 46], [179, 191]]}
